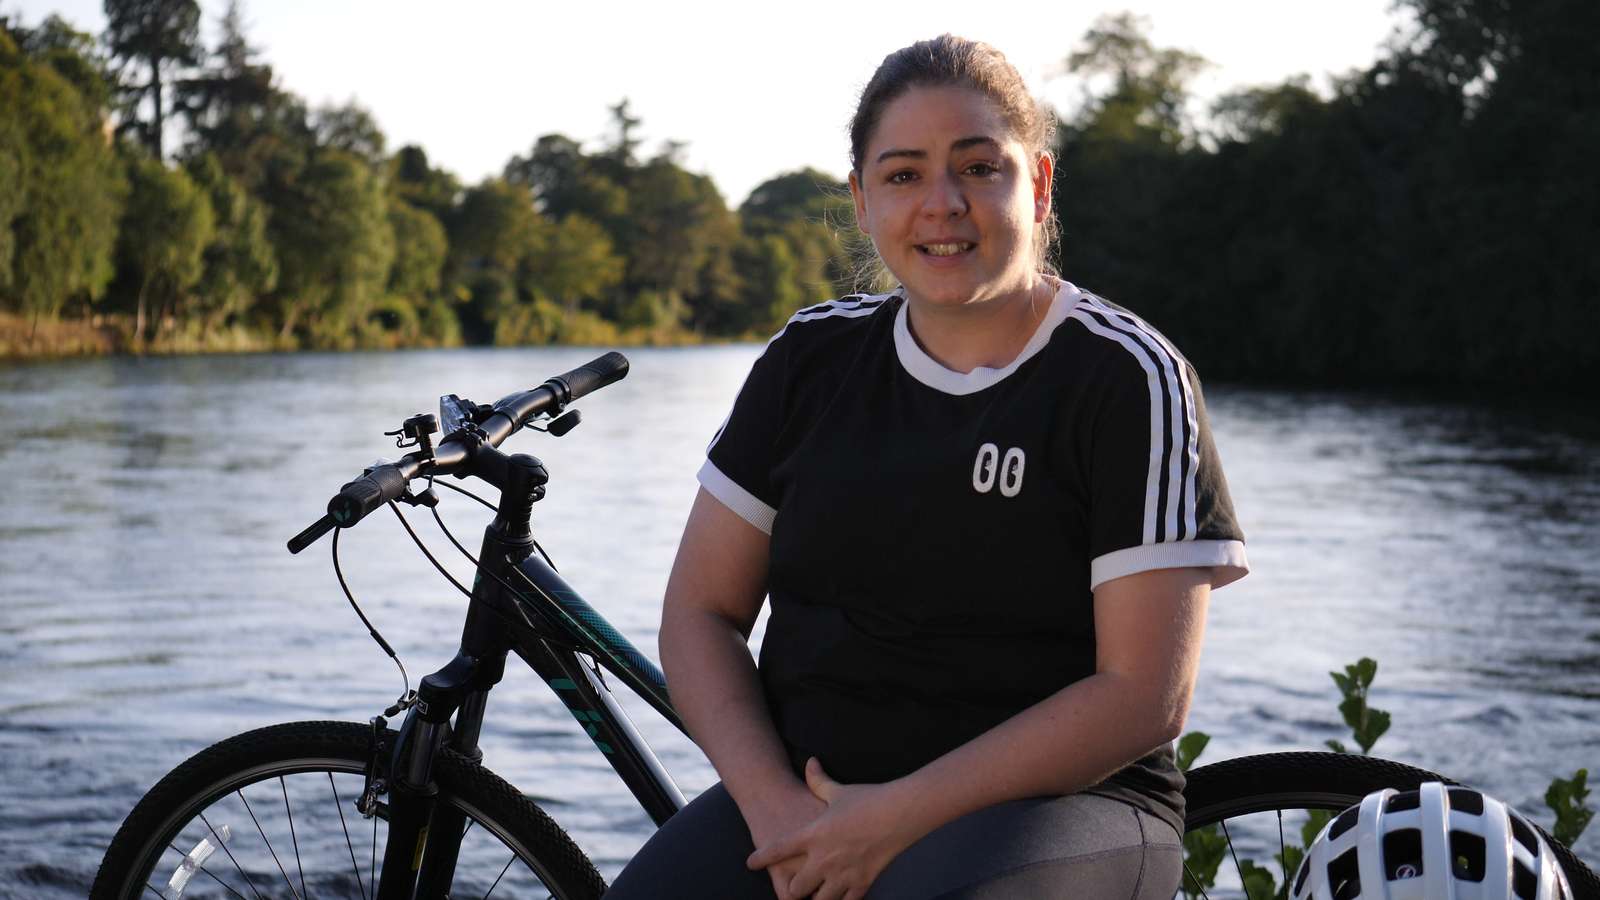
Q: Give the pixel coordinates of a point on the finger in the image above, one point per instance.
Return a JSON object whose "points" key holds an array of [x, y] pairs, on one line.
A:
{"points": [[805, 882], [830, 890], [823, 787], [773, 853]]}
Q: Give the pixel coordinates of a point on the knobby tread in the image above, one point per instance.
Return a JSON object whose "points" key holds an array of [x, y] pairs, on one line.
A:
{"points": [[456, 775], [1271, 781]]}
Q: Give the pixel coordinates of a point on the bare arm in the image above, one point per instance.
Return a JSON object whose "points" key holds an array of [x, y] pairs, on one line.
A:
{"points": [[716, 589]]}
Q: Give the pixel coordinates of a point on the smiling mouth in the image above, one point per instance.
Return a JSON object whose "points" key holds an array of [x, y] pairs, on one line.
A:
{"points": [[944, 249]]}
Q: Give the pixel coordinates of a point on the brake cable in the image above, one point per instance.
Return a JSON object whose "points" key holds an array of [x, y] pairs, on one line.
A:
{"points": [[406, 695], [461, 490]]}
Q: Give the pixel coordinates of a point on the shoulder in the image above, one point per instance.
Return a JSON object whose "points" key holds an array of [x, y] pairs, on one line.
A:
{"points": [[1116, 341], [849, 314]]}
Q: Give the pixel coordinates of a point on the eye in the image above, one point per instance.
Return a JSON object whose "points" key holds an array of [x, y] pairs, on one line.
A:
{"points": [[903, 176], [982, 169]]}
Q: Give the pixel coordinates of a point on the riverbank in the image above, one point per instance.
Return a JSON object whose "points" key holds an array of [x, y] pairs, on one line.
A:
{"points": [[22, 338]]}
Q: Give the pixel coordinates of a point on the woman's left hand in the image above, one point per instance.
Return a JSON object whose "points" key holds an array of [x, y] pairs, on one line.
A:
{"points": [[844, 850]]}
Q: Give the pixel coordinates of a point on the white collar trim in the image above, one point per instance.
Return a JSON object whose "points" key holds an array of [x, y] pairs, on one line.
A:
{"points": [[924, 368]]}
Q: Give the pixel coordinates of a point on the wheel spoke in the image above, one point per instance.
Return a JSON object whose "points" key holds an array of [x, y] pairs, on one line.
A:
{"points": [[1229, 838], [268, 841], [503, 870], [339, 806], [1196, 881], [236, 865], [1283, 855], [295, 838]]}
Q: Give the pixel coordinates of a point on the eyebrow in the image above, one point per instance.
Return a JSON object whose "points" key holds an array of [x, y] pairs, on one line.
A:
{"points": [[957, 145]]}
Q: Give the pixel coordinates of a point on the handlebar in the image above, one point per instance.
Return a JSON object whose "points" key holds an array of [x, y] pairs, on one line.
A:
{"points": [[459, 450]]}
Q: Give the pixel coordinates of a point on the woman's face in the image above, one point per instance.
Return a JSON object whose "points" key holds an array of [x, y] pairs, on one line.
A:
{"points": [[951, 198]]}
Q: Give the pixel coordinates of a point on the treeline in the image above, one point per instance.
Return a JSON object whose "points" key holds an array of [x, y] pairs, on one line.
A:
{"points": [[1435, 221], [274, 224]]}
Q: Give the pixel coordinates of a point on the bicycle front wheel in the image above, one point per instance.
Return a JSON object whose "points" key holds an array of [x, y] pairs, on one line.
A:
{"points": [[1255, 814], [271, 813]]}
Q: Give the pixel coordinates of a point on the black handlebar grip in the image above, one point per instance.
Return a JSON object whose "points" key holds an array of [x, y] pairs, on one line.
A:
{"points": [[365, 494], [592, 376], [308, 537]]}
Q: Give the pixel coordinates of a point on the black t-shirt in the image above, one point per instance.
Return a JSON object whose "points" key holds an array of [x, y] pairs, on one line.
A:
{"points": [[937, 536]]}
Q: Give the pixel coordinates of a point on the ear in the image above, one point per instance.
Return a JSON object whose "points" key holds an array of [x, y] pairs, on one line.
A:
{"points": [[860, 198], [1044, 173]]}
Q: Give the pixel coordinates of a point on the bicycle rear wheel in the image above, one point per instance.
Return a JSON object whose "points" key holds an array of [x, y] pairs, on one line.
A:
{"points": [[271, 813], [1258, 811]]}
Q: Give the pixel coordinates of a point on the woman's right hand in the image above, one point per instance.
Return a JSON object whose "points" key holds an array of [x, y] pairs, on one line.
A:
{"points": [[795, 808]]}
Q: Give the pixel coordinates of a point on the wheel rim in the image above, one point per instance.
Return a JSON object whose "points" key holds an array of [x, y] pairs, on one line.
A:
{"points": [[290, 829], [1253, 841]]}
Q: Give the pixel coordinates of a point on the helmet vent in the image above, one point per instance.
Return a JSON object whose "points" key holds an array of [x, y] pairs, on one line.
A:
{"points": [[1346, 821], [1344, 876], [1523, 882], [1466, 801], [1524, 834], [1467, 852], [1403, 802], [1402, 854]]}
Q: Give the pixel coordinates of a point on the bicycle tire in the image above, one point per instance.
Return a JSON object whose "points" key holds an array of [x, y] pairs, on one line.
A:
{"points": [[217, 778], [1281, 782]]}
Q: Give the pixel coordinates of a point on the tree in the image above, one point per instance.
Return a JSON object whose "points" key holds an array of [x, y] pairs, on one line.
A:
{"points": [[563, 180], [61, 188], [335, 246], [161, 34], [240, 266], [571, 262], [165, 229], [350, 127], [1149, 85]]}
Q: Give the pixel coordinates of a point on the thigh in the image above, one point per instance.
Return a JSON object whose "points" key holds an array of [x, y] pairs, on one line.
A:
{"points": [[1079, 846], [699, 853]]}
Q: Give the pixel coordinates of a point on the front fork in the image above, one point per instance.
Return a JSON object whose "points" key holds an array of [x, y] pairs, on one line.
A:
{"points": [[424, 840]]}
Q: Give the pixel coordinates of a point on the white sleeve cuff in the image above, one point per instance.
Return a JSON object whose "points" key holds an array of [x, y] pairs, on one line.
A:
{"points": [[745, 504], [1225, 559]]}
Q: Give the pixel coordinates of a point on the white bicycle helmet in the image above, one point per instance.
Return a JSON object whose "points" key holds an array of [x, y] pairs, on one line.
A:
{"points": [[1434, 843]]}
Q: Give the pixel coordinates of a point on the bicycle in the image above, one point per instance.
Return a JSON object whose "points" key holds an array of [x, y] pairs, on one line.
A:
{"points": [[327, 795]]}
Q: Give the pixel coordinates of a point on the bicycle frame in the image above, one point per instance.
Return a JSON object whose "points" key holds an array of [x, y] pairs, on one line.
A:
{"points": [[519, 604]]}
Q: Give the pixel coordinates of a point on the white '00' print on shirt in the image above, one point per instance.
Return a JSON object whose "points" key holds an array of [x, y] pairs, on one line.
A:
{"points": [[990, 467]]}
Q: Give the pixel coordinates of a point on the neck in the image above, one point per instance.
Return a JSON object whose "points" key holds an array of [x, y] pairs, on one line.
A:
{"points": [[989, 334]]}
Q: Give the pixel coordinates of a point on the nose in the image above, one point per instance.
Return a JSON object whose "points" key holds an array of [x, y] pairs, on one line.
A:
{"points": [[945, 198]]}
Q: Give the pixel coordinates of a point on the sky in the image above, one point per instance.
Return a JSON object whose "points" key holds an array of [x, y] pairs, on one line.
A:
{"points": [[754, 90]]}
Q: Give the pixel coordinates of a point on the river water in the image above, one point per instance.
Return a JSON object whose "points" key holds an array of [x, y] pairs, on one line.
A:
{"points": [[148, 607]]}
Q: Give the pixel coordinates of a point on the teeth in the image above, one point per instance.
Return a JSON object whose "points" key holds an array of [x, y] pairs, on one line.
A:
{"points": [[945, 249]]}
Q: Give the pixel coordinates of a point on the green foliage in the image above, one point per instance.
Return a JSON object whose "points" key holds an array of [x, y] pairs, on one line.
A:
{"points": [[61, 188], [1203, 852], [160, 34], [1566, 798], [420, 248], [335, 246], [164, 232], [240, 266], [1148, 85], [1367, 724], [1190, 746], [1258, 881]]}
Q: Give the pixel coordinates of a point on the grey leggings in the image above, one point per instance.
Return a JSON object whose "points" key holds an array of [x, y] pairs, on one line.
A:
{"points": [[1074, 846]]}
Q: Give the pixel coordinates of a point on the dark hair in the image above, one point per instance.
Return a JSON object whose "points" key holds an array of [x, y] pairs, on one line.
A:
{"points": [[950, 61]]}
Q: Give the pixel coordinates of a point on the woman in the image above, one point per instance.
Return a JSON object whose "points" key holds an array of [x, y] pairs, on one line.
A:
{"points": [[988, 513]]}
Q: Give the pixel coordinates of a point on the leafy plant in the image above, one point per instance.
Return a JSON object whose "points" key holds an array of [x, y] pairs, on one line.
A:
{"points": [[1366, 723], [1566, 798]]}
